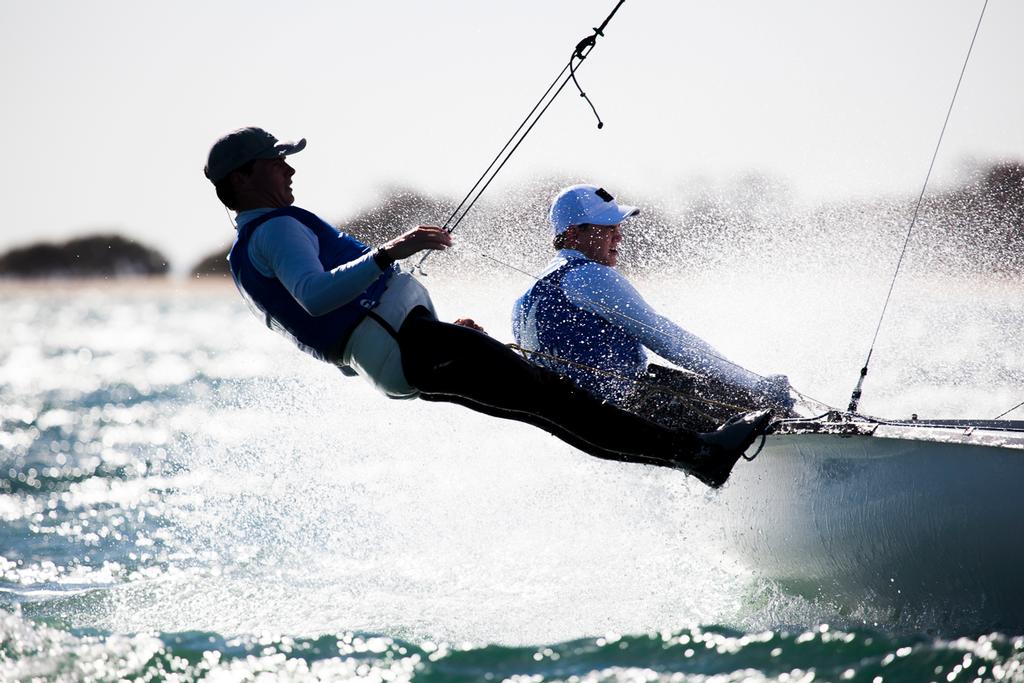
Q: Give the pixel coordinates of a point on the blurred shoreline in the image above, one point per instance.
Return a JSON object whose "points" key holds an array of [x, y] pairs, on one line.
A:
{"points": [[189, 285], [977, 226], [125, 285]]}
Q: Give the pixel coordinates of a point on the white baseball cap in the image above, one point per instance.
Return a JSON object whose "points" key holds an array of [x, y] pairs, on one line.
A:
{"points": [[579, 204]]}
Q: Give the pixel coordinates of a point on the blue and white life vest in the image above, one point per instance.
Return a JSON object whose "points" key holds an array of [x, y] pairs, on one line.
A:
{"points": [[322, 336], [551, 324]]}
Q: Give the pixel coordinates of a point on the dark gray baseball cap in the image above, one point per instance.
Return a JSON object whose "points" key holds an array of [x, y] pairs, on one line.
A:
{"points": [[241, 146]]}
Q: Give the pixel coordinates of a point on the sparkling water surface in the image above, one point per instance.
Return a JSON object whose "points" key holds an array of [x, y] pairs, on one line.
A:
{"points": [[185, 496]]}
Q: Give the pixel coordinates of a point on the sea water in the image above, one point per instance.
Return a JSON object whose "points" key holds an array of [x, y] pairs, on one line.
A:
{"points": [[184, 496]]}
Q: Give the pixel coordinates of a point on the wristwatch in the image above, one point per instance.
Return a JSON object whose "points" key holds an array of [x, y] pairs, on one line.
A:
{"points": [[382, 258]]}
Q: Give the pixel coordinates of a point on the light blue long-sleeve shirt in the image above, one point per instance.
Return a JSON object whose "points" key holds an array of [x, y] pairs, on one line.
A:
{"points": [[603, 291], [283, 248]]}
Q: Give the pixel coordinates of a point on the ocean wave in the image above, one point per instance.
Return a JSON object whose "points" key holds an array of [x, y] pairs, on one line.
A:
{"points": [[692, 654]]}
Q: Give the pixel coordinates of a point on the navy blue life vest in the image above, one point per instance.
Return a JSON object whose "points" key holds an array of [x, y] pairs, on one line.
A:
{"points": [[571, 333], [324, 336]]}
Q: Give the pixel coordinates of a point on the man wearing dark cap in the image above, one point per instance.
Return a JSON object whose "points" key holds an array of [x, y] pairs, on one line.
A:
{"points": [[585, 321], [351, 306]]}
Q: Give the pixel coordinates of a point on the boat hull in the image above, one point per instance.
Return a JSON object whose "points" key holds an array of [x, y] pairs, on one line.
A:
{"points": [[894, 520]]}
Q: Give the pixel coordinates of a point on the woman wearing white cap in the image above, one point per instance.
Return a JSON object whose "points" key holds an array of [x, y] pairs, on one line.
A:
{"points": [[351, 306], [585, 321]]}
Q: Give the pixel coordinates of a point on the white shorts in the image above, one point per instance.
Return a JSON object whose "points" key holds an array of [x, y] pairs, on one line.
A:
{"points": [[371, 350]]}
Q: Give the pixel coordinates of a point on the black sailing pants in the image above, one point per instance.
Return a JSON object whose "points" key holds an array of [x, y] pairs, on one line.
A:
{"points": [[456, 364]]}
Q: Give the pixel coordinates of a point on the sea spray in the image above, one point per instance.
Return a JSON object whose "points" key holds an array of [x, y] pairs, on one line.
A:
{"points": [[172, 468]]}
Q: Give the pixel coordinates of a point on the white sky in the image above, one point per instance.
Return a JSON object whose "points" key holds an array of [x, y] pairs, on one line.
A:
{"points": [[110, 107]]}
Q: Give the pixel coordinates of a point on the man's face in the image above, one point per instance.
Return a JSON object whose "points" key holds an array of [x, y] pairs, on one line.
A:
{"points": [[270, 184], [599, 242]]}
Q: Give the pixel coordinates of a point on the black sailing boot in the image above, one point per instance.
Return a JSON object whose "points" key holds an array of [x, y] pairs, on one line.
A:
{"points": [[720, 449]]}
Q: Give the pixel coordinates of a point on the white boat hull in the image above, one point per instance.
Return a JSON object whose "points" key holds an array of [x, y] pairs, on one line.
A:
{"points": [[890, 518]]}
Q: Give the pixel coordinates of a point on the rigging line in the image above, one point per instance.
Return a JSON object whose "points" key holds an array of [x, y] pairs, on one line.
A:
{"points": [[508, 156], [448, 224], [615, 312], [581, 51], [1002, 415], [686, 398], [502, 164], [856, 395], [502, 151], [572, 75]]}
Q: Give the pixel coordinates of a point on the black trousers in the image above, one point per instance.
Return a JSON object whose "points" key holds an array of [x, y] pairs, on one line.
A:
{"points": [[457, 364], [684, 400]]}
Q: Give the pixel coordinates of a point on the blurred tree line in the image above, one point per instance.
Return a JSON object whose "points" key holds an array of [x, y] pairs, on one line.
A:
{"points": [[976, 227], [92, 256]]}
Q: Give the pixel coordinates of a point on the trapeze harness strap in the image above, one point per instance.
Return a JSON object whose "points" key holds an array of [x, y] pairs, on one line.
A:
{"points": [[320, 336], [392, 332], [568, 332]]}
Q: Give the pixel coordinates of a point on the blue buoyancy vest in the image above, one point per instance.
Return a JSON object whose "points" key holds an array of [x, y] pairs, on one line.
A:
{"points": [[570, 333], [322, 336]]}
